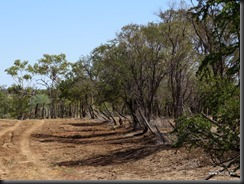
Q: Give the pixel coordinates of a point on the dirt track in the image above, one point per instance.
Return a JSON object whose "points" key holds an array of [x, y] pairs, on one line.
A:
{"points": [[17, 160], [92, 150]]}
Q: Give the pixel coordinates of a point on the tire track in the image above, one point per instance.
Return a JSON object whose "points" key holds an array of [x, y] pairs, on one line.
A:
{"points": [[16, 144], [10, 129], [6, 140], [39, 168]]}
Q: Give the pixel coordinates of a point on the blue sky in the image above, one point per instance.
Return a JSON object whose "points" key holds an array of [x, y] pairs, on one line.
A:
{"points": [[31, 28]]}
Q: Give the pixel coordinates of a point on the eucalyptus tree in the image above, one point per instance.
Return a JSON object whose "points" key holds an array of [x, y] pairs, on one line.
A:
{"points": [[21, 90], [20, 73], [51, 69], [182, 57], [78, 88]]}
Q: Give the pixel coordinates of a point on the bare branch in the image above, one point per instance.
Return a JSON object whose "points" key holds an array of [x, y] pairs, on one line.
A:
{"points": [[211, 120]]}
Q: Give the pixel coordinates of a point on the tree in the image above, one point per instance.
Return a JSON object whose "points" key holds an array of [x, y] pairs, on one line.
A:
{"points": [[21, 90], [78, 88], [132, 67], [51, 69], [217, 25], [181, 55], [218, 75], [5, 105]]}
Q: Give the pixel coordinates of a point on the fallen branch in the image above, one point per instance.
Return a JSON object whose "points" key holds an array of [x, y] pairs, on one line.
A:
{"points": [[211, 120], [172, 125]]}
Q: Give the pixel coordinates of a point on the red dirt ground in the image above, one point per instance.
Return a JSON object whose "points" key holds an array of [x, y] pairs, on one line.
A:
{"points": [[75, 149]]}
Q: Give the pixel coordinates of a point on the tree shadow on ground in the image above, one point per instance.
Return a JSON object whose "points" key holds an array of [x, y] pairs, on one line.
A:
{"points": [[120, 156], [88, 124], [122, 137], [74, 136]]}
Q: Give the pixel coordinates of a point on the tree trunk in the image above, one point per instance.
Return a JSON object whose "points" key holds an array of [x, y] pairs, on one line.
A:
{"points": [[43, 111], [146, 123], [132, 109], [91, 112], [36, 111], [82, 110], [115, 123]]}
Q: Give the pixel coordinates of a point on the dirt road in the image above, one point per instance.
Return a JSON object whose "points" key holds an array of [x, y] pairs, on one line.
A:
{"points": [[17, 161], [69, 149]]}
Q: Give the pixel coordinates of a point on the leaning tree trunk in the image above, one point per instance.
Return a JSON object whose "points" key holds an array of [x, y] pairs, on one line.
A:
{"points": [[115, 123], [91, 112]]}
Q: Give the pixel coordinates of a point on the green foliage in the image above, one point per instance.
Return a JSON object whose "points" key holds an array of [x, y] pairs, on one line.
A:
{"points": [[20, 91], [19, 106], [79, 86], [219, 95], [4, 104], [39, 105], [220, 20], [220, 141], [52, 67], [222, 100], [40, 99], [218, 133], [181, 56], [194, 130], [20, 73], [132, 66]]}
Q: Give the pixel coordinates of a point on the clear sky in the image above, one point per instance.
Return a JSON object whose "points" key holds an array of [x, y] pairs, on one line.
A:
{"points": [[31, 28]]}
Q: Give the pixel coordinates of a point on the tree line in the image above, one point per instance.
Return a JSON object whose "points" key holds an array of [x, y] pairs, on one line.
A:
{"points": [[186, 67]]}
